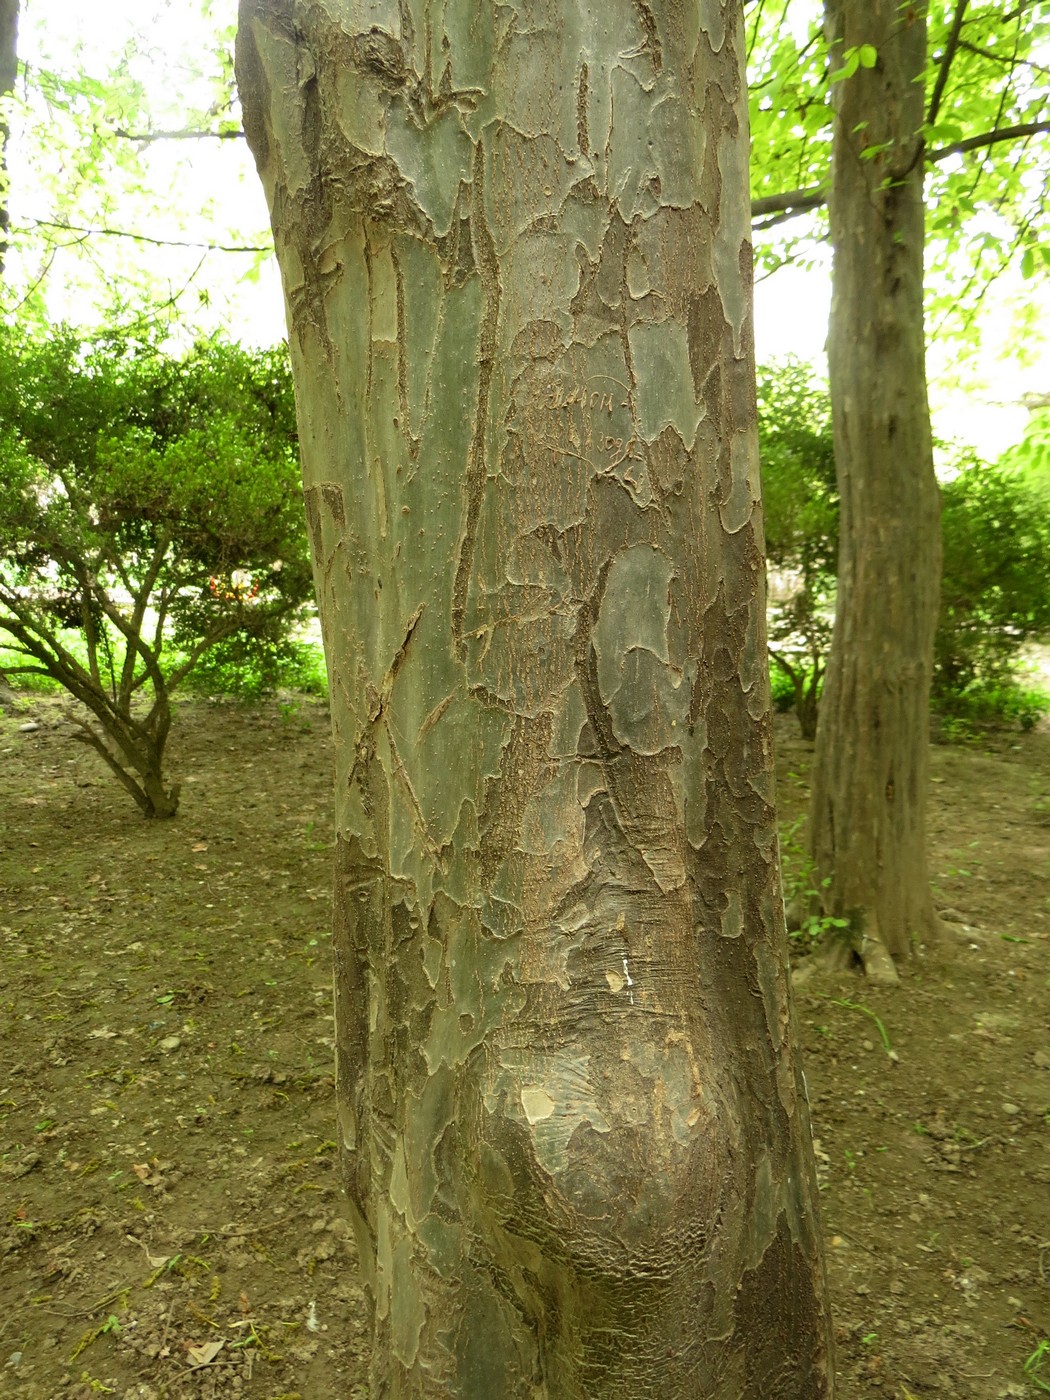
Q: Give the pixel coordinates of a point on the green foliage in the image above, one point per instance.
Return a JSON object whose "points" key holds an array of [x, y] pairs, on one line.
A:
{"points": [[964, 714], [1030, 458], [781, 687], [994, 599], [800, 502], [790, 122], [995, 529], [249, 668], [1037, 1365], [808, 926], [988, 204], [153, 505], [986, 190], [860, 56], [111, 221]]}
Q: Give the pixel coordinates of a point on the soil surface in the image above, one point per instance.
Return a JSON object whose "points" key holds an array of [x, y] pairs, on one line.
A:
{"points": [[170, 1224]]}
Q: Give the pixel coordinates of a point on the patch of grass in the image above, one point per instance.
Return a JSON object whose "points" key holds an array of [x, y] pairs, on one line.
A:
{"points": [[982, 705], [1035, 1364]]}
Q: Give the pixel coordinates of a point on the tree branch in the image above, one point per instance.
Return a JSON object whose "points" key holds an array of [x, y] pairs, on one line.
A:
{"points": [[1003, 58], [946, 61], [987, 138], [145, 238], [792, 202], [145, 138], [88, 736], [789, 204]]}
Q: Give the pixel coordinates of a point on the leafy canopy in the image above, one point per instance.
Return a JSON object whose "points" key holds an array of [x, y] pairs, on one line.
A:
{"points": [[985, 141]]}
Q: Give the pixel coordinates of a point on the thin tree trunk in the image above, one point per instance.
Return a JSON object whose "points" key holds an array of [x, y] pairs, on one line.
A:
{"points": [[516, 257], [8, 78], [867, 818]]}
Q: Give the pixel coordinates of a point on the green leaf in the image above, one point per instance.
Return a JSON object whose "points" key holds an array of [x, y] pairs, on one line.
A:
{"points": [[945, 133], [1028, 263], [868, 55]]}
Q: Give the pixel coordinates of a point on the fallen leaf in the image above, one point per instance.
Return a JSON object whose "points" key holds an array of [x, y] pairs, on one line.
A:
{"points": [[156, 1261], [246, 1307], [103, 1033], [199, 846], [205, 1354], [151, 1173]]}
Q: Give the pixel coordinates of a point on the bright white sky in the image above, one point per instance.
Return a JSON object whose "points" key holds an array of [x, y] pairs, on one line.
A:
{"points": [[208, 192]]}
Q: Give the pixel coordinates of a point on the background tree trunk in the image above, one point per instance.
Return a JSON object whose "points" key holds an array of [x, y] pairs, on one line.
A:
{"points": [[868, 810], [515, 244], [8, 78]]}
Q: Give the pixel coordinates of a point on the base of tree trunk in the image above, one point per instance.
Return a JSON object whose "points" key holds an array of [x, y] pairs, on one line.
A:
{"points": [[879, 967]]}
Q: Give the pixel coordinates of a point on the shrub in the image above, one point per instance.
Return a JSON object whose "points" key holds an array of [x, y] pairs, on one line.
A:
{"points": [[152, 504], [800, 501], [249, 668], [996, 559], [994, 597]]}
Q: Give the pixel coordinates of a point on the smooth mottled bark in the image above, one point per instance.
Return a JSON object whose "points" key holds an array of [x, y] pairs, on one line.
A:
{"points": [[515, 249], [8, 78], [867, 817]]}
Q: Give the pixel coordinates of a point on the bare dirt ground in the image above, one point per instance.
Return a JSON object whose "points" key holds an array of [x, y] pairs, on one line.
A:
{"points": [[170, 1225]]}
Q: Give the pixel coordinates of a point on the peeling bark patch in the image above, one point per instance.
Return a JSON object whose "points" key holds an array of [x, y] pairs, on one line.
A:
{"points": [[332, 496], [713, 22], [705, 330], [537, 1104], [313, 517], [647, 699]]}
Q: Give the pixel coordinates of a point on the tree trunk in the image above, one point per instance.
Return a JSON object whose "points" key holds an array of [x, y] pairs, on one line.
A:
{"points": [[868, 812], [515, 246], [8, 78]]}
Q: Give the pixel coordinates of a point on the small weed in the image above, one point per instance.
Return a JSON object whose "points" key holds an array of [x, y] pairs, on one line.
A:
{"points": [[859, 1006], [1035, 1363], [164, 1268], [111, 1324], [803, 895], [95, 1386]]}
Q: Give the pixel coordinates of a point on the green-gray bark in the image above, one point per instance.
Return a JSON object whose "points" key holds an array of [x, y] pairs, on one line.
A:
{"points": [[515, 246], [867, 816]]}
